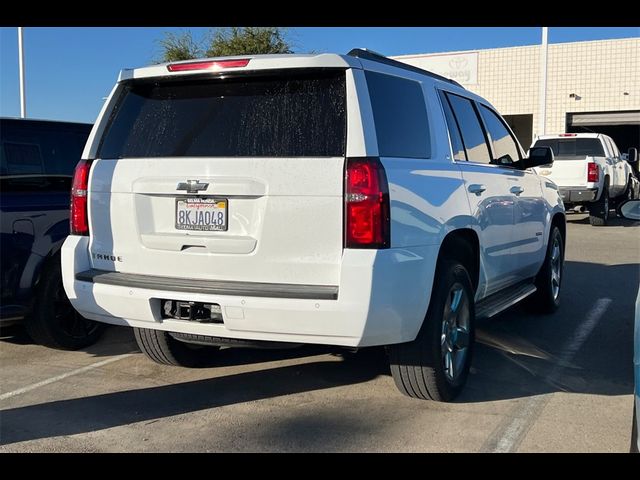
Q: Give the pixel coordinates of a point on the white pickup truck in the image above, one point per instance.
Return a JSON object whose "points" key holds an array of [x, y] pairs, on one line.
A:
{"points": [[590, 172]]}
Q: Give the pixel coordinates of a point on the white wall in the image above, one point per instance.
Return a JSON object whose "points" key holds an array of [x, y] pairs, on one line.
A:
{"points": [[599, 72]]}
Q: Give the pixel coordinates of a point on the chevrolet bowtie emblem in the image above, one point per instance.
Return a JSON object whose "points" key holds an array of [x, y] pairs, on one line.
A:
{"points": [[192, 186]]}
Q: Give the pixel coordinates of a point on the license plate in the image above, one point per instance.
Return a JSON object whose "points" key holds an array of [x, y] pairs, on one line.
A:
{"points": [[201, 214]]}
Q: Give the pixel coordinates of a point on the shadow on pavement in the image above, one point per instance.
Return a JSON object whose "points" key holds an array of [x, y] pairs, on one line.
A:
{"points": [[521, 354], [86, 414], [114, 340]]}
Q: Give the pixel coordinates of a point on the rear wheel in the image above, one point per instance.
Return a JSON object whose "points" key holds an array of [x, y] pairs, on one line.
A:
{"points": [[436, 364], [546, 298], [599, 211], [54, 322], [162, 348]]}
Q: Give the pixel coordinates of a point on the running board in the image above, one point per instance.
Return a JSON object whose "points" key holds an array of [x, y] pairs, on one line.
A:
{"points": [[498, 302]]}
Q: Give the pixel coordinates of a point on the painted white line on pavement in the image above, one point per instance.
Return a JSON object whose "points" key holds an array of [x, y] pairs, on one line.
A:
{"points": [[57, 378], [516, 429]]}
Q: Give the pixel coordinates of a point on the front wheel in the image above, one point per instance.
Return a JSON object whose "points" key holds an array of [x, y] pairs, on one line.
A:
{"points": [[599, 211], [629, 194], [436, 364]]}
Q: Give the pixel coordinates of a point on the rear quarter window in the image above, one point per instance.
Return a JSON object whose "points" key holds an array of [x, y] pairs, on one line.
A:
{"points": [[400, 115]]}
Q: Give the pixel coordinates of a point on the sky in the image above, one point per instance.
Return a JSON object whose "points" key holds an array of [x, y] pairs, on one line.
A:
{"points": [[69, 70]]}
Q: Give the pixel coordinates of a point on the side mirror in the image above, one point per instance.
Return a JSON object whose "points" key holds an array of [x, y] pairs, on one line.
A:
{"points": [[538, 156], [630, 209], [632, 156]]}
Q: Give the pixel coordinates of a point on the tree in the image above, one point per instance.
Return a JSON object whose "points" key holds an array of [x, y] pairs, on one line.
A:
{"points": [[178, 47], [223, 42], [248, 41]]}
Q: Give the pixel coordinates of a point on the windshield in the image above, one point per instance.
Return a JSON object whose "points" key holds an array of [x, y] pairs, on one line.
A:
{"points": [[294, 116]]}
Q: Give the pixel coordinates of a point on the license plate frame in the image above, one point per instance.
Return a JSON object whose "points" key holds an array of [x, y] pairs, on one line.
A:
{"points": [[204, 228]]}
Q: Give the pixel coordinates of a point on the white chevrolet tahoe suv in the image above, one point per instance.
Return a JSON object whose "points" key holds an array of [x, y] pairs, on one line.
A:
{"points": [[590, 172], [346, 200]]}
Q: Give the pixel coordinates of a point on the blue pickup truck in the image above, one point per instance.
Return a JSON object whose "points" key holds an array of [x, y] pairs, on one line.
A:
{"points": [[37, 160]]}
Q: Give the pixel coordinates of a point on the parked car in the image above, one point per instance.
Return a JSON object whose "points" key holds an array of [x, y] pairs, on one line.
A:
{"points": [[347, 200], [631, 210], [590, 172], [37, 160]]}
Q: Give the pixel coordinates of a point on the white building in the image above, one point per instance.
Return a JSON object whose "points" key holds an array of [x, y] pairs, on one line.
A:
{"points": [[591, 86]]}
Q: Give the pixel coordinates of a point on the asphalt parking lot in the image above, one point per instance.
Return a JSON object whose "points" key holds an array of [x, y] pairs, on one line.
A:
{"points": [[560, 383]]}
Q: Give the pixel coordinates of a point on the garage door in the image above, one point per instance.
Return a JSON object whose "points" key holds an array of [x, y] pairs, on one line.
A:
{"points": [[604, 118]]}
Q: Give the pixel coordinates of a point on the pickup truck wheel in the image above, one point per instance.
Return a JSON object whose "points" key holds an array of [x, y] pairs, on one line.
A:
{"points": [[546, 298], [599, 211], [436, 364], [162, 348], [54, 322], [628, 193]]}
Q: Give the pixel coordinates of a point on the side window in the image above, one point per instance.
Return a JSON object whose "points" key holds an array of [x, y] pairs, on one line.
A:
{"points": [[473, 138], [505, 148], [400, 115], [454, 132]]}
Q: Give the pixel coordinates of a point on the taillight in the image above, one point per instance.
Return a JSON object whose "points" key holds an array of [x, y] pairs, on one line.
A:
{"points": [[367, 222], [207, 65], [593, 172], [79, 223]]}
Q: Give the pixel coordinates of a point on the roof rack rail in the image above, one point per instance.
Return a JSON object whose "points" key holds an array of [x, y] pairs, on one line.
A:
{"points": [[378, 57]]}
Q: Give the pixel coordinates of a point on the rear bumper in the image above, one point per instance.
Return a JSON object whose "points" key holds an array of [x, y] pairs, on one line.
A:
{"points": [[578, 194], [381, 299], [215, 287]]}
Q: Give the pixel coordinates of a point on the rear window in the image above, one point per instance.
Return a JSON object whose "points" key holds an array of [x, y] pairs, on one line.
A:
{"points": [[297, 116], [39, 155], [572, 148], [40, 148]]}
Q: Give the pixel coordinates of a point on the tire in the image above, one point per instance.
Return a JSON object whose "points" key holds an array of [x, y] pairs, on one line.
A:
{"points": [[628, 193], [548, 282], [54, 322], [418, 367], [162, 348], [599, 211]]}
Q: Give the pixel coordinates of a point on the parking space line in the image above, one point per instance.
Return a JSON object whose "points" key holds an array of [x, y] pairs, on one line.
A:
{"points": [[509, 436], [57, 378]]}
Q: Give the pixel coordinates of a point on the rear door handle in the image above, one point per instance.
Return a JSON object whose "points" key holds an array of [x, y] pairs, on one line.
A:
{"points": [[477, 188], [516, 189]]}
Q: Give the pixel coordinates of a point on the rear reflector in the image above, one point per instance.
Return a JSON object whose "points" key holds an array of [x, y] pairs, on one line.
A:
{"points": [[208, 65], [367, 220], [593, 172], [79, 221]]}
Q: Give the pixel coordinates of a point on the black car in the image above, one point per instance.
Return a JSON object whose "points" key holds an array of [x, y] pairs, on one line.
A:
{"points": [[37, 160]]}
